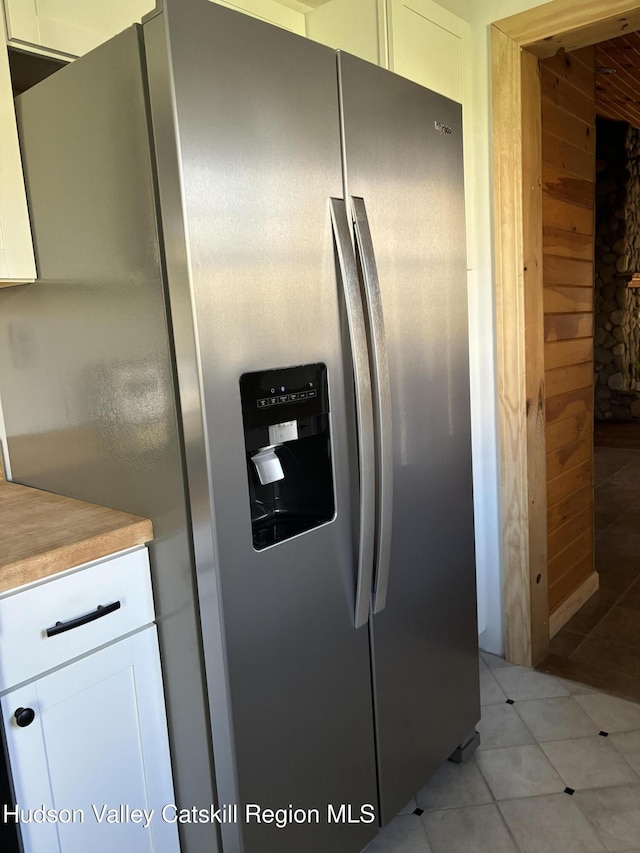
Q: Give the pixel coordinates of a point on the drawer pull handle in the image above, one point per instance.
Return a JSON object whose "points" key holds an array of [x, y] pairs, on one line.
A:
{"points": [[98, 613], [24, 716]]}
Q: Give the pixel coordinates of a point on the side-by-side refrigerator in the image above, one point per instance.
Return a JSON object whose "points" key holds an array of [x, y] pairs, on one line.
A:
{"points": [[250, 324]]}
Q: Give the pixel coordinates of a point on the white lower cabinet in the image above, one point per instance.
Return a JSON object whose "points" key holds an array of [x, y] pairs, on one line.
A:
{"points": [[88, 749]]}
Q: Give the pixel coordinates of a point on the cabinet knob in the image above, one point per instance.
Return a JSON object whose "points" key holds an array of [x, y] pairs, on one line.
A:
{"points": [[24, 716]]}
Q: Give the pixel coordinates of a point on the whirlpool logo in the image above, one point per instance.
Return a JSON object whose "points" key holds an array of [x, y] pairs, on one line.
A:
{"points": [[444, 129]]}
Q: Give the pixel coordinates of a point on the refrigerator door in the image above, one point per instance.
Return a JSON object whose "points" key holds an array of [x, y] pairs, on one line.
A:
{"points": [[403, 157], [248, 156]]}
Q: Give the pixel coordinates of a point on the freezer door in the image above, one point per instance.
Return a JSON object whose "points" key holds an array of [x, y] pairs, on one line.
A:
{"points": [[88, 395], [403, 151], [246, 128]]}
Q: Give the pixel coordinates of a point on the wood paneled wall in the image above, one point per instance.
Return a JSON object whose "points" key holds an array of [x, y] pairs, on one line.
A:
{"points": [[568, 175]]}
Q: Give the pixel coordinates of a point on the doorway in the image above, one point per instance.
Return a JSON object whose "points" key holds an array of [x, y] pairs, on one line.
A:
{"points": [[517, 45], [600, 644]]}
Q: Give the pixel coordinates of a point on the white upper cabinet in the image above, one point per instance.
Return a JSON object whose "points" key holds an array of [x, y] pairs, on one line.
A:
{"points": [[417, 39], [67, 27], [355, 26], [70, 28], [429, 45], [17, 263], [288, 15], [433, 47]]}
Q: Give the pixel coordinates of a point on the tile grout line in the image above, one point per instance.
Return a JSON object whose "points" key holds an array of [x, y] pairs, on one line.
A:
{"points": [[424, 827], [617, 600], [495, 802], [628, 508], [539, 743], [598, 623], [515, 702], [634, 775], [611, 476], [588, 636], [623, 757]]}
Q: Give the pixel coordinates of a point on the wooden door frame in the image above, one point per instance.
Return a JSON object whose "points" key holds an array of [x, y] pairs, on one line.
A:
{"points": [[517, 43]]}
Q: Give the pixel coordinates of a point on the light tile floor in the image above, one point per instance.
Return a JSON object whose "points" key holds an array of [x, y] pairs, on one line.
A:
{"points": [[558, 771]]}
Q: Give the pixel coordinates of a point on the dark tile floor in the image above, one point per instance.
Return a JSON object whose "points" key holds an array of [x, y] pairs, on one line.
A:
{"points": [[600, 645]]}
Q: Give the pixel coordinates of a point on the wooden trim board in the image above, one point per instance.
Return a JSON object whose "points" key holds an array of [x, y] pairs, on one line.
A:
{"points": [[534, 351], [510, 316], [570, 24]]}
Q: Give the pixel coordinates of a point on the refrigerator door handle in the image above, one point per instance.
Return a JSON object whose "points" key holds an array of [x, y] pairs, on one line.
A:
{"points": [[364, 406], [382, 400]]}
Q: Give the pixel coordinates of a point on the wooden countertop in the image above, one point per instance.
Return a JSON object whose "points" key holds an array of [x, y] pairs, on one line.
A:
{"points": [[42, 533]]}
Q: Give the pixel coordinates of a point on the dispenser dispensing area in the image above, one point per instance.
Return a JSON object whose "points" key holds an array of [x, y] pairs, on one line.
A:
{"points": [[287, 439]]}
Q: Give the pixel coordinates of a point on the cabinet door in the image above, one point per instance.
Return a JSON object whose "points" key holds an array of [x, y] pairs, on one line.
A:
{"points": [[429, 45], [96, 750], [272, 11], [17, 262], [433, 47], [355, 26], [67, 27]]}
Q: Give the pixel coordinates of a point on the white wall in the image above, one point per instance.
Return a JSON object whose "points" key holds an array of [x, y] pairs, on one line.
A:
{"points": [[481, 14]]}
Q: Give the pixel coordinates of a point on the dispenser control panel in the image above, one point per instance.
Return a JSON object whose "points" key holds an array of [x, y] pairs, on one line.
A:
{"points": [[295, 397], [291, 393]]}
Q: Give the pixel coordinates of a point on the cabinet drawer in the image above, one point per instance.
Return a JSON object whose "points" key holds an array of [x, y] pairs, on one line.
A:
{"points": [[95, 605]]}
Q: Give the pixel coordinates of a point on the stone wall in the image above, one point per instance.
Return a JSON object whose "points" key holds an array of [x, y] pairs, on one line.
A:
{"points": [[617, 306]]}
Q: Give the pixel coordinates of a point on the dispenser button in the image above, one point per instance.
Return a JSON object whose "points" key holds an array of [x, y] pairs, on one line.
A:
{"points": [[284, 398], [262, 403], [287, 431], [312, 393], [302, 395]]}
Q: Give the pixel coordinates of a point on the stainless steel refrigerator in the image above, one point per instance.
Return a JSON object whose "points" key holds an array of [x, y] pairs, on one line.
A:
{"points": [[250, 324]]}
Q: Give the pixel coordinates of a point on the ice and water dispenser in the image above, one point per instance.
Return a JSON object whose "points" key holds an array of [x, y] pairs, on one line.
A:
{"points": [[287, 440]]}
